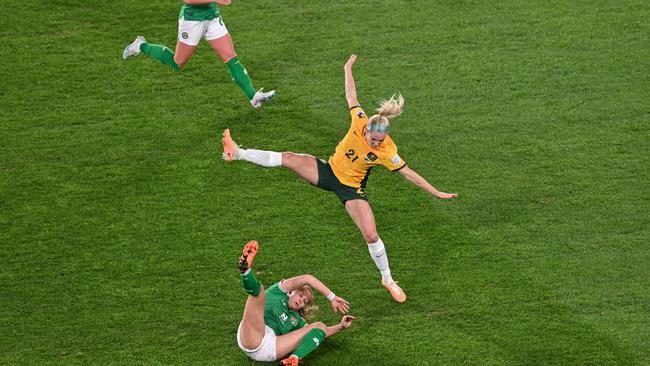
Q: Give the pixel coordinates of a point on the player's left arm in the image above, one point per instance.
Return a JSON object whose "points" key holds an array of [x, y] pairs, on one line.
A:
{"points": [[415, 178], [295, 283]]}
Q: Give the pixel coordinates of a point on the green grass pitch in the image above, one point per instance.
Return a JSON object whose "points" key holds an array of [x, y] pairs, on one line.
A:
{"points": [[120, 225]]}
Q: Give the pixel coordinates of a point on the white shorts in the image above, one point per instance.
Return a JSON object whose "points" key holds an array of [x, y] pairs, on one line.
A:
{"points": [[266, 350], [190, 32]]}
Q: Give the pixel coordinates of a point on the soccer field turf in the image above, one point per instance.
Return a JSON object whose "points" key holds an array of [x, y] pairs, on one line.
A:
{"points": [[121, 226]]}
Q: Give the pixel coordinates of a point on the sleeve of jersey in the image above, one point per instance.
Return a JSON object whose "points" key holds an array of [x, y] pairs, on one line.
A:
{"points": [[359, 117], [393, 161]]}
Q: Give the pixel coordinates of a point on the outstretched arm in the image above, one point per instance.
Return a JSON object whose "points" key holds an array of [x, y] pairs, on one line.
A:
{"points": [[295, 283], [416, 179], [350, 88], [345, 323]]}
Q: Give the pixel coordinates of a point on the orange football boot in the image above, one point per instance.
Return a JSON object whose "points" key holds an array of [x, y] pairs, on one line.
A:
{"points": [[249, 252], [290, 361], [395, 291], [229, 146]]}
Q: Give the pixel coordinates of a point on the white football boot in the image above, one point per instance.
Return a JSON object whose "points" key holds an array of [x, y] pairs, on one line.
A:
{"points": [[134, 48], [261, 97]]}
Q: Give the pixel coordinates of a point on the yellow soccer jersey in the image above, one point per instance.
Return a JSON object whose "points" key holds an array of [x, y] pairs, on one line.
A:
{"points": [[353, 157]]}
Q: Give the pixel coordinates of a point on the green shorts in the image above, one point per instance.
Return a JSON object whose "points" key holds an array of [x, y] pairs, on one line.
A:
{"points": [[329, 182]]}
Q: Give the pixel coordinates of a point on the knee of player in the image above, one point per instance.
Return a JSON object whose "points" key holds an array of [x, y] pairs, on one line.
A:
{"points": [[180, 63], [289, 157], [371, 236], [228, 56]]}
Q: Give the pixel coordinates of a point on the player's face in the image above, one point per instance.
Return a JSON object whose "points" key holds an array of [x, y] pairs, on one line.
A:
{"points": [[299, 298], [375, 139]]}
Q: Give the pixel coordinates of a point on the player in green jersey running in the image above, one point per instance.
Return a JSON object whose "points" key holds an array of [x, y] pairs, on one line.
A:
{"points": [[201, 19], [272, 326]]}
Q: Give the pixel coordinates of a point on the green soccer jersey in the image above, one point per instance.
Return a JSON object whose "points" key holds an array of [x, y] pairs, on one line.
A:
{"points": [[199, 12], [277, 314]]}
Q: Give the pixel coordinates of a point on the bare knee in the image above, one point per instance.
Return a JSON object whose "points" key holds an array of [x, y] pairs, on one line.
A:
{"points": [[227, 55], [180, 62], [370, 236], [290, 159]]}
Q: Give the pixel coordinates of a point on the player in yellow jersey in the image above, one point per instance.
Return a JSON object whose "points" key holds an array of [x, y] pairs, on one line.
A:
{"points": [[366, 144]]}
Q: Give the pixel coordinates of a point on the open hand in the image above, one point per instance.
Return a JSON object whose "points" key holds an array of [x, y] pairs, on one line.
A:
{"points": [[340, 305]]}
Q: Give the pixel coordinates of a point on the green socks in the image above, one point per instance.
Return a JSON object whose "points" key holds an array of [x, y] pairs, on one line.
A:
{"points": [[310, 342], [160, 53], [240, 77], [237, 70], [250, 283]]}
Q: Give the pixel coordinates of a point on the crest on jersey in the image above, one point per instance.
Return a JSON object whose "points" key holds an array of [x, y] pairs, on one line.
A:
{"points": [[294, 321], [370, 157], [396, 159]]}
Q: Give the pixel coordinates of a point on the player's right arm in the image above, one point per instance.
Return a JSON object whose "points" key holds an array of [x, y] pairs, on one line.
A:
{"points": [[350, 87], [295, 283]]}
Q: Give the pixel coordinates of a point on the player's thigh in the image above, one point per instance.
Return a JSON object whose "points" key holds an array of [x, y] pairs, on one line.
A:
{"points": [[219, 39], [190, 33], [285, 344], [303, 165], [183, 53], [361, 213], [252, 324]]}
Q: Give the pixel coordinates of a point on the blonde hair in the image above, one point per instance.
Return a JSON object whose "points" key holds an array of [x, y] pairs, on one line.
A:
{"points": [[309, 310], [387, 109]]}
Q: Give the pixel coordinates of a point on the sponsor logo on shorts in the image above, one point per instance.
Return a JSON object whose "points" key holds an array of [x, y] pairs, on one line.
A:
{"points": [[360, 114], [396, 159], [362, 191], [184, 35]]}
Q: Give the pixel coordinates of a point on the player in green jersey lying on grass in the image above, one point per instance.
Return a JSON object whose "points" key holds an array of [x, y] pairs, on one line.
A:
{"points": [[273, 325], [201, 19]]}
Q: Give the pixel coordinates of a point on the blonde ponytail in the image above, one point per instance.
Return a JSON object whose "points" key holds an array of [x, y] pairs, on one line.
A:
{"points": [[387, 109], [392, 107]]}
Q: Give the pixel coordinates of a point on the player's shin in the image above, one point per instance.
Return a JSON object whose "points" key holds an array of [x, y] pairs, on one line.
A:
{"points": [[240, 77], [160, 53], [310, 342], [268, 159], [250, 284], [379, 256]]}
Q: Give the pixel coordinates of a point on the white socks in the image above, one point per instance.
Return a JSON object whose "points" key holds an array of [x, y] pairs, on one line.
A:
{"points": [[268, 159], [378, 254]]}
